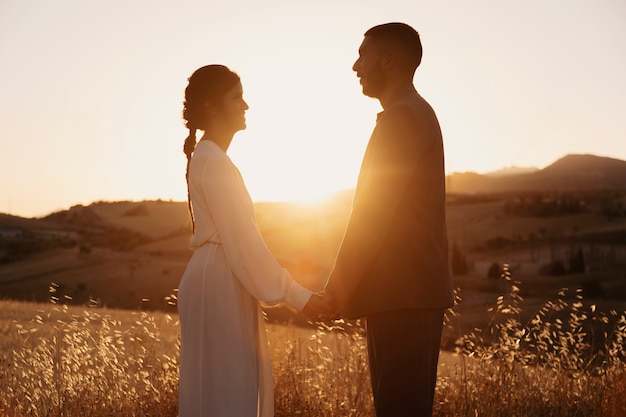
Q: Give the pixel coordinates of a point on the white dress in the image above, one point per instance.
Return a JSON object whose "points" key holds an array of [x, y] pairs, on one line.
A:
{"points": [[225, 367]]}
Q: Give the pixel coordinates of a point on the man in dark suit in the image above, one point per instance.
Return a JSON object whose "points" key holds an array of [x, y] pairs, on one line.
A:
{"points": [[392, 267]]}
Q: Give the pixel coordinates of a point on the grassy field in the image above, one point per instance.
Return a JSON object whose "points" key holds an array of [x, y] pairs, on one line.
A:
{"points": [[544, 344], [562, 358]]}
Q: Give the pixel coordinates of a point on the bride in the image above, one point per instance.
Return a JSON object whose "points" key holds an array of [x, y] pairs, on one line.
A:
{"points": [[225, 367]]}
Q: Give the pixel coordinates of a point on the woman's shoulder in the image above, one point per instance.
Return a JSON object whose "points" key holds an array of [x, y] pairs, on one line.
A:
{"points": [[209, 158], [208, 148], [208, 151]]}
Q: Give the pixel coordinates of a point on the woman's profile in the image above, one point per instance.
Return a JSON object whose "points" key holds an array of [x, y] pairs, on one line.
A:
{"points": [[225, 367]]}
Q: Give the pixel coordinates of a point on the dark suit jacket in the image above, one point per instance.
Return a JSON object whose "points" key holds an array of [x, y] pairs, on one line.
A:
{"points": [[394, 253]]}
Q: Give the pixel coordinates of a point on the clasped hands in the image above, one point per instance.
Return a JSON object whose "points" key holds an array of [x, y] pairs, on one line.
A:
{"points": [[321, 307]]}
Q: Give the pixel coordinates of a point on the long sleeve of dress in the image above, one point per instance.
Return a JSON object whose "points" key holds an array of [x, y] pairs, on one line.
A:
{"points": [[232, 210]]}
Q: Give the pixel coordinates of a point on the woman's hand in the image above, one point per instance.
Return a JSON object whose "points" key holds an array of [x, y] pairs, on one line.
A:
{"points": [[321, 307]]}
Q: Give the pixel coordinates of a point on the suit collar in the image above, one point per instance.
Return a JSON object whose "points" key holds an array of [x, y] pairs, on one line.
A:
{"points": [[398, 96]]}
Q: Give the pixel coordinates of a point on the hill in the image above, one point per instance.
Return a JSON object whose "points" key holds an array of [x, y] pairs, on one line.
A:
{"points": [[132, 254], [571, 173]]}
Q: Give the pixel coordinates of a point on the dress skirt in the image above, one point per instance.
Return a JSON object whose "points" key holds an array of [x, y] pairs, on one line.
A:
{"points": [[225, 366]]}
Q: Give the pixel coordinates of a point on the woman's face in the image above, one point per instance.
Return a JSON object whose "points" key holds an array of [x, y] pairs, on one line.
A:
{"points": [[234, 107]]}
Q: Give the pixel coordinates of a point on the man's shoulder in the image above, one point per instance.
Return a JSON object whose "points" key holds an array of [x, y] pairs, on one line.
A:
{"points": [[410, 115], [411, 106], [411, 101]]}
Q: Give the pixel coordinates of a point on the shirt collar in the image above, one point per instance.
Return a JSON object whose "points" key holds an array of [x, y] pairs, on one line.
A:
{"points": [[398, 96]]}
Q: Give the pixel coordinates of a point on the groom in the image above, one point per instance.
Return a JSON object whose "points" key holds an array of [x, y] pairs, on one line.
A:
{"points": [[392, 267]]}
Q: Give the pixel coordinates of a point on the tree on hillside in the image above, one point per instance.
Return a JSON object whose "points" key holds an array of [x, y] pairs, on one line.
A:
{"points": [[577, 262], [494, 271]]}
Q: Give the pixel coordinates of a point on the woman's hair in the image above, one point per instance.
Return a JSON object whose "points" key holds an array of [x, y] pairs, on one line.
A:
{"points": [[208, 84]]}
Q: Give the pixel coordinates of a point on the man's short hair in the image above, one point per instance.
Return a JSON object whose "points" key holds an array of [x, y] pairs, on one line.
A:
{"points": [[403, 36]]}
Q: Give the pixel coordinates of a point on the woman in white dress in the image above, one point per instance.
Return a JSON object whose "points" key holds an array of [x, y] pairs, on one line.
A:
{"points": [[225, 367]]}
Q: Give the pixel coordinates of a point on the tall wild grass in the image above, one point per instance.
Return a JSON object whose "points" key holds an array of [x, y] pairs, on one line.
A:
{"points": [[566, 360]]}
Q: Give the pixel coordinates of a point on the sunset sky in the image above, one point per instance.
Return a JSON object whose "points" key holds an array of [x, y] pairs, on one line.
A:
{"points": [[91, 91]]}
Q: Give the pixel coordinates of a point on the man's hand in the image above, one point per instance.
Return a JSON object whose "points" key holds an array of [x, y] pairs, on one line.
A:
{"points": [[320, 308]]}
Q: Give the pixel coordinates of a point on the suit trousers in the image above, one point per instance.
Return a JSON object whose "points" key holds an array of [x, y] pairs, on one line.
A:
{"points": [[403, 349]]}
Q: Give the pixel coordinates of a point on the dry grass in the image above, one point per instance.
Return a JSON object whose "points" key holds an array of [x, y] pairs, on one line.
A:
{"points": [[321, 373], [567, 360], [89, 362]]}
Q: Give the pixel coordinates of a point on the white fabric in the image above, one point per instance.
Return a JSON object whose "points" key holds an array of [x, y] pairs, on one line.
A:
{"points": [[225, 367]]}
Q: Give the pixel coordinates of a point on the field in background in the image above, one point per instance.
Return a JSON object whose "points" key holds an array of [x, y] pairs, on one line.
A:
{"points": [[131, 255]]}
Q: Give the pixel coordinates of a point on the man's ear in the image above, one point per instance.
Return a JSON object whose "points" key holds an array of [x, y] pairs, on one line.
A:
{"points": [[389, 60]]}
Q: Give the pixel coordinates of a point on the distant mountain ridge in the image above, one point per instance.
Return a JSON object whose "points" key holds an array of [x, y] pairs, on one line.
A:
{"points": [[575, 172], [512, 170]]}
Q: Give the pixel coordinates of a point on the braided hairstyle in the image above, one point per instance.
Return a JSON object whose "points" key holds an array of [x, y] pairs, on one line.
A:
{"points": [[208, 84]]}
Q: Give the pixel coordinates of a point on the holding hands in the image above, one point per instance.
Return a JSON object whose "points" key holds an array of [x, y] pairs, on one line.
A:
{"points": [[321, 307]]}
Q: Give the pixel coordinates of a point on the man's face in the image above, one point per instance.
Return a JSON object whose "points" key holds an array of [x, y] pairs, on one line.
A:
{"points": [[234, 108], [368, 67]]}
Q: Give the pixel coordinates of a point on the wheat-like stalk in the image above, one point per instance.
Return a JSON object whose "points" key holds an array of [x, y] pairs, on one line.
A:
{"points": [[566, 360]]}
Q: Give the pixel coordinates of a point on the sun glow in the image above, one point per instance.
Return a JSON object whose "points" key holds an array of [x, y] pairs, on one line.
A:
{"points": [[304, 186], [307, 152]]}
